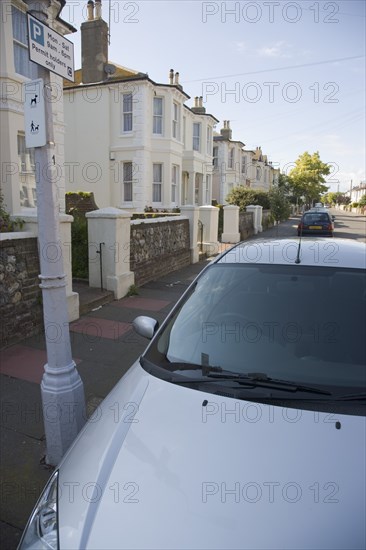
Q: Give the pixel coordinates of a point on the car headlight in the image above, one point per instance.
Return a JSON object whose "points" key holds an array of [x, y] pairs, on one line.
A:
{"points": [[41, 532]]}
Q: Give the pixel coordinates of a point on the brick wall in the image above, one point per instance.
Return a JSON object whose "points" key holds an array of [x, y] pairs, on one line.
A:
{"points": [[81, 202], [21, 309], [246, 226], [158, 247]]}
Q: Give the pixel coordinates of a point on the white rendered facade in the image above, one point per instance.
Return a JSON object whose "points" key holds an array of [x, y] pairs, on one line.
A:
{"points": [[130, 142]]}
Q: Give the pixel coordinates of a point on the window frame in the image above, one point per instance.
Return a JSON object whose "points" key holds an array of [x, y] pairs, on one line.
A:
{"points": [[175, 183], [176, 121], [215, 157], [209, 140], [196, 139], [231, 158], [127, 115], [157, 185], [207, 188], [158, 117], [22, 64], [127, 183]]}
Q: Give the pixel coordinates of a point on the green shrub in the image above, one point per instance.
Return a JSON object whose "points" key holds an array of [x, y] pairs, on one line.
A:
{"points": [[79, 240], [7, 225], [244, 196]]}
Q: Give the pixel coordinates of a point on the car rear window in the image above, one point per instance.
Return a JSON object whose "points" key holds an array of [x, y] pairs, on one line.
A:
{"points": [[314, 217]]}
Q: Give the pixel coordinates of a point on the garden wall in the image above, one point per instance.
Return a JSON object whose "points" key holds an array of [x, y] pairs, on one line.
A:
{"points": [[20, 296], [246, 225], [158, 247]]}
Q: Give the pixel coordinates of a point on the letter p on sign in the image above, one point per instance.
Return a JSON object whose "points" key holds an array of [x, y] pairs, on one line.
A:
{"points": [[37, 32]]}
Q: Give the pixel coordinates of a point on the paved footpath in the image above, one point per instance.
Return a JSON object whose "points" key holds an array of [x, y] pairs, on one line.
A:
{"points": [[104, 346]]}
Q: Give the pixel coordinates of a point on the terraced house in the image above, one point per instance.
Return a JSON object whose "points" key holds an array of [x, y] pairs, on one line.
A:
{"points": [[130, 140], [233, 165]]}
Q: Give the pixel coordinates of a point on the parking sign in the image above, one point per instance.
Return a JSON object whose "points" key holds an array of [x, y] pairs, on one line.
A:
{"points": [[50, 49]]}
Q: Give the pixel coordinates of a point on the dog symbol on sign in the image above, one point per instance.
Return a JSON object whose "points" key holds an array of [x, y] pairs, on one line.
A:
{"points": [[34, 128], [34, 101]]}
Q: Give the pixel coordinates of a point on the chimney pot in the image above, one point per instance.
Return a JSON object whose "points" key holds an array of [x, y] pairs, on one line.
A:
{"points": [[90, 8], [200, 104], [171, 76], [98, 9], [176, 81]]}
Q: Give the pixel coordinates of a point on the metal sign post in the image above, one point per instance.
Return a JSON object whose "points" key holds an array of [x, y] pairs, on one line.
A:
{"points": [[62, 388]]}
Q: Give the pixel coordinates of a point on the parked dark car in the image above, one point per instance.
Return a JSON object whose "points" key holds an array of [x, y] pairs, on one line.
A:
{"points": [[316, 223]]}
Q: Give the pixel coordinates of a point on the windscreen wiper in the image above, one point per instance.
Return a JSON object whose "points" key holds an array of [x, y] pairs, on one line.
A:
{"points": [[250, 379], [352, 397]]}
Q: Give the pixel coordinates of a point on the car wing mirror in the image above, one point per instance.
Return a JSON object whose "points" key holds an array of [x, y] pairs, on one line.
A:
{"points": [[145, 326]]}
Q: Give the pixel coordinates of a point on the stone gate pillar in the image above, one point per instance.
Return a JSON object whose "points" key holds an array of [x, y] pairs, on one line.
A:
{"points": [[109, 246]]}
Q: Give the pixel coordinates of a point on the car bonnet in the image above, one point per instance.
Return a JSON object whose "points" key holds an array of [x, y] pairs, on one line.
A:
{"points": [[166, 466]]}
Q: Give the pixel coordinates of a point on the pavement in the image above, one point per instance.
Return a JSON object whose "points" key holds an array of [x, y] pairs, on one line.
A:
{"points": [[104, 346]]}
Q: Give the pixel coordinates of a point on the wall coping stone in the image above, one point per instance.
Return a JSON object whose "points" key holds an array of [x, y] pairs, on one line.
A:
{"points": [[17, 235], [33, 216], [108, 212], [160, 220]]}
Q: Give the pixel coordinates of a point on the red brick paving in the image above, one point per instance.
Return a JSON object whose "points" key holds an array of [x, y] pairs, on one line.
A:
{"points": [[148, 304]]}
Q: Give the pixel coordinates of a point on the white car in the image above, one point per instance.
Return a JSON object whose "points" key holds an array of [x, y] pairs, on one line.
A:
{"points": [[242, 426]]}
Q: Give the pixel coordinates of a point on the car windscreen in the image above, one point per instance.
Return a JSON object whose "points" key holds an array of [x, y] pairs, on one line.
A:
{"points": [[300, 323]]}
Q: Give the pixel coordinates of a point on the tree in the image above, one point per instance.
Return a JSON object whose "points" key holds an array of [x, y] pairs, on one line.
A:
{"points": [[362, 201], [307, 177], [279, 205], [330, 198]]}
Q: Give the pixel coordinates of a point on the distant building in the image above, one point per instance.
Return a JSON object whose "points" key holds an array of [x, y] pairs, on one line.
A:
{"points": [[355, 193], [233, 165], [130, 140]]}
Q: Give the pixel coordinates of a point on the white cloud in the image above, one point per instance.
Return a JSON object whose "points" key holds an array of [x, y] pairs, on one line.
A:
{"points": [[241, 47], [278, 49]]}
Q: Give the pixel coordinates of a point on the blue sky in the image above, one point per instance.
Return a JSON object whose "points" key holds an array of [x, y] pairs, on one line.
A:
{"points": [[290, 76]]}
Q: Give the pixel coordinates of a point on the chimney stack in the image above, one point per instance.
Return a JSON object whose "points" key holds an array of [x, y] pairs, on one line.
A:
{"points": [[94, 45], [171, 77], [198, 106], [226, 131]]}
